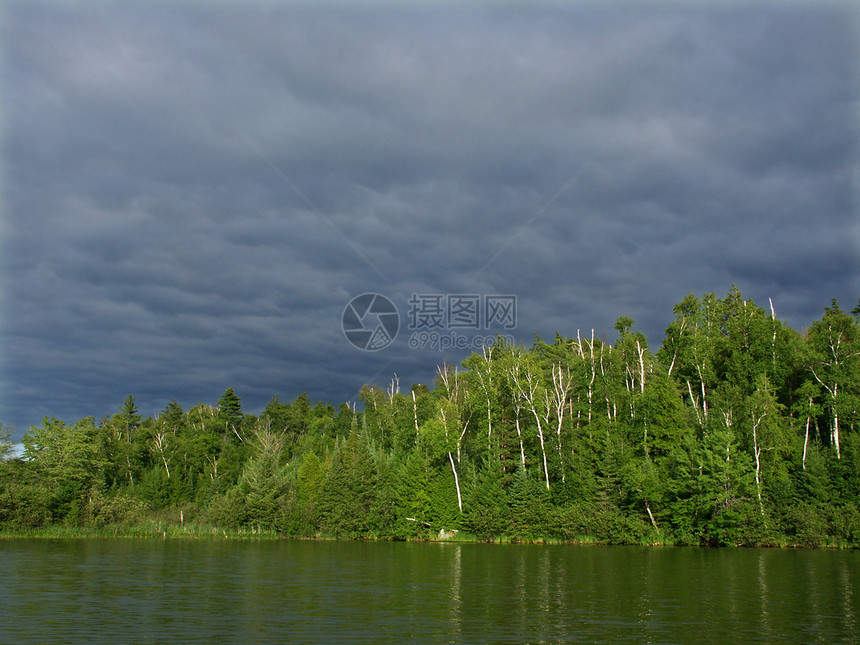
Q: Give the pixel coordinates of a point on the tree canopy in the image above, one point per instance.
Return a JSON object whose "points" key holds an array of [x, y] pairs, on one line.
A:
{"points": [[736, 430]]}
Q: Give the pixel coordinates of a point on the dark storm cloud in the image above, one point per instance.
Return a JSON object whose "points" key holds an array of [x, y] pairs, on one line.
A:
{"points": [[192, 192]]}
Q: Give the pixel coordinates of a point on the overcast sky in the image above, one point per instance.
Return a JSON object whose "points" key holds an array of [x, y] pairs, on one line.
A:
{"points": [[193, 192]]}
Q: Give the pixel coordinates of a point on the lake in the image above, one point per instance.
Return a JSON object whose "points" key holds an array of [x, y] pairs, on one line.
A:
{"points": [[187, 591]]}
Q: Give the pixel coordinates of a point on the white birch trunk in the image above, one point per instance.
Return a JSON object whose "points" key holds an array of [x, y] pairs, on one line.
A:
{"points": [[561, 381], [834, 421], [757, 453], [530, 396], [415, 412], [456, 482], [641, 353], [695, 403], [651, 516], [520, 437]]}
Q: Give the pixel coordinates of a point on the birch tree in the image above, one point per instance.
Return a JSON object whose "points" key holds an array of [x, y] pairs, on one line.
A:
{"points": [[806, 410], [835, 365], [689, 350], [455, 413], [513, 374], [536, 400], [482, 369], [557, 400], [769, 437]]}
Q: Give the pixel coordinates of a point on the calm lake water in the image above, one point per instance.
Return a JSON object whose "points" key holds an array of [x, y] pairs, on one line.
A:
{"points": [[211, 591]]}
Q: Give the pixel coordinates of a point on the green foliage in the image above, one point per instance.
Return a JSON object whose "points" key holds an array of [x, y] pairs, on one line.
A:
{"points": [[303, 516], [737, 431], [443, 511], [264, 482], [68, 459], [834, 363], [103, 509], [349, 493], [173, 416], [603, 522], [413, 498], [130, 416], [488, 514], [530, 508], [230, 412], [25, 496], [64, 453]]}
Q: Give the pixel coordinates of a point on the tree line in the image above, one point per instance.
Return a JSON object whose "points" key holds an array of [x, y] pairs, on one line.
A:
{"points": [[737, 430]]}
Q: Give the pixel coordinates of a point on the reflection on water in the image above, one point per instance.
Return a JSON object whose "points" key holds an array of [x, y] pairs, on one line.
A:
{"points": [[762, 583], [846, 588], [456, 601], [148, 591]]}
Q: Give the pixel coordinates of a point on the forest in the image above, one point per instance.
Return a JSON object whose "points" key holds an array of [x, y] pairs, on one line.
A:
{"points": [[737, 430]]}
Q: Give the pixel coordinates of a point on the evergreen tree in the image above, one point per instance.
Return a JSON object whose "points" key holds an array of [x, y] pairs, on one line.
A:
{"points": [[530, 508], [230, 413], [130, 416], [304, 511], [487, 510], [348, 495], [413, 498], [173, 416], [264, 482]]}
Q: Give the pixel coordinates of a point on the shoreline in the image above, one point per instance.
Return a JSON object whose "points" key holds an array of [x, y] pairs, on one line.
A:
{"points": [[216, 533]]}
